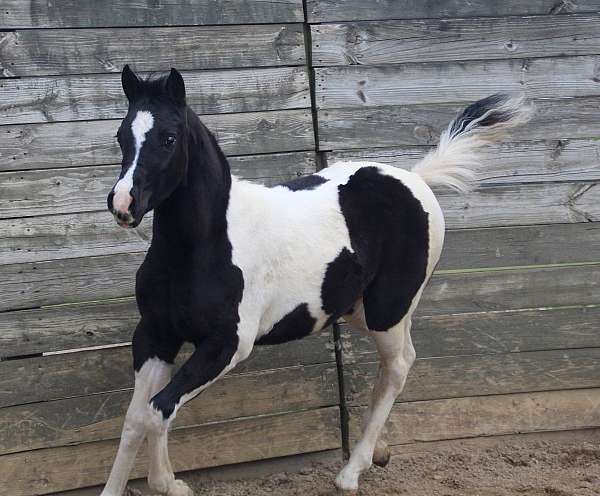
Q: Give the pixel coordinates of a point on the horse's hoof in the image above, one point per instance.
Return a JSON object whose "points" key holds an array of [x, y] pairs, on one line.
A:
{"points": [[130, 491], [382, 457], [179, 488]]}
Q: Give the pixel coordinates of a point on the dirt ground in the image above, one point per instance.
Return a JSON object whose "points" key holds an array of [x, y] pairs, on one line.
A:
{"points": [[537, 468]]}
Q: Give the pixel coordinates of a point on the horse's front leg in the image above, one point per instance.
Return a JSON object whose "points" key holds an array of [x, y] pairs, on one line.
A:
{"points": [[152, 372], [211, 360]]}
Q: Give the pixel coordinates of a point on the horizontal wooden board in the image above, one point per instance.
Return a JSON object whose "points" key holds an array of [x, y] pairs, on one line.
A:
{"points": [[83, 189], [352, 10], [53, 329], [506, 163], [485, 333], [391, 126], [514, 246], [52, 237], [511, 289], [72, 144], [522, 204], [100, 417], [436, 82], [432, 40], [35, 284], [55, 469], [479, 375], [82, 14], [80, 189], [82, 373], [45, 52], [100, 96], [458, 418]]}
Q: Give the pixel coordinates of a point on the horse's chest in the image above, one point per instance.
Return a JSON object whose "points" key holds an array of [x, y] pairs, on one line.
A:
{"points": [[188, 301]]}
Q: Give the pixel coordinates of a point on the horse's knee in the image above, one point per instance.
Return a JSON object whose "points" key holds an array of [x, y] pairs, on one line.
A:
{"points": [[133, 430]]}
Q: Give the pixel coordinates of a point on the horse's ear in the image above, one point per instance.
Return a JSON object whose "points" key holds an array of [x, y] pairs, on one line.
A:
{"points": [[176, 87], [130, 82]]}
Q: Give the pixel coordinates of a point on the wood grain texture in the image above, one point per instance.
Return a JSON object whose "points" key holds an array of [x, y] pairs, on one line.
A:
{"points": [[511, 289], [256, 438], [82, 14], [506, 163], [35, 284], [64, 327], [68, 327], [391, 126], [488, 333], [84, 189], [488, 416], [100, 417], [352, 10], [479, 375], [50, 237], [404, 84], [522, 204], [72, 144], [45, 52], [429, 40], [83, 373], [100, 96], [527, 245]]}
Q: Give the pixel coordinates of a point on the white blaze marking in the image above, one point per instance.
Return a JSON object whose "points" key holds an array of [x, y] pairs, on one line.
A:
{"points": [[140, 126]]}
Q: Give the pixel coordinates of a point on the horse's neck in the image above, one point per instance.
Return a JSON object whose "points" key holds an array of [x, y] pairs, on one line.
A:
{"points": [[195, 213]]}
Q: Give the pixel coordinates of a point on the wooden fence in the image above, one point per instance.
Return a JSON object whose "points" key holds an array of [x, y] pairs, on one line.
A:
{"points": [[507, 333]]}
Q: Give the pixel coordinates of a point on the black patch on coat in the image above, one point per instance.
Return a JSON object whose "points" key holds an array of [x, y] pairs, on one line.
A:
{"points": [[305, 182], [295, 325], [389, 232], [344, 281]]}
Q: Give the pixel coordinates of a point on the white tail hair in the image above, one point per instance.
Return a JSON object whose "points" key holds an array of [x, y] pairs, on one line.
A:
{"points": [[454, 161]]}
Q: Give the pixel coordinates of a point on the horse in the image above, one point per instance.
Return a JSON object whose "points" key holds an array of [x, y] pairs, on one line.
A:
{"points": [[233, 264]]}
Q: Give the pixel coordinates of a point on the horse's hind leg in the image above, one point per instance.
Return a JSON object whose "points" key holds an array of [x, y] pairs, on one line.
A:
{"points": [[397, 355]]}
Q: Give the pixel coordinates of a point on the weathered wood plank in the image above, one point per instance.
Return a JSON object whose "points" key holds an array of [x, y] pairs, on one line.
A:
{"points": [[404, 84], [82, 373], [485, 333], [352, 10], [65, 327], [81, 189], [82, 14], [428, 40], [37, 284], [56, 469], [45, 52], [478, 375], [94, 233], [100, 417], [68, 327], [32, 239], [511, 289], [522, 204], [488, 416], [514, 246], [507, 163], [71, 144], [99, 96], [341, 129]]}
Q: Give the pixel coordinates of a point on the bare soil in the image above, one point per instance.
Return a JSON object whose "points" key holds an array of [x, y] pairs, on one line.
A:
{"points": [[537, 468]]}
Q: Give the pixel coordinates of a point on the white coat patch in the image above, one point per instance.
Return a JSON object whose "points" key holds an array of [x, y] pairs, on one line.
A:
{"points": [[140, 126]]}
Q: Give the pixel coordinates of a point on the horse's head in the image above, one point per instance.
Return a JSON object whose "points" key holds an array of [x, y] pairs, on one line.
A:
{"points": [[153, 141]]}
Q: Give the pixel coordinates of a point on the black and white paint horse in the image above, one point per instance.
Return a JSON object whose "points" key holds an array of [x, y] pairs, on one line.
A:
{"points": [[233, 264]]}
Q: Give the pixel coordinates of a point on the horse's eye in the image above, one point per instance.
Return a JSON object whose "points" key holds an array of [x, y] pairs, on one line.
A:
{"points": [[169, 140]]}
